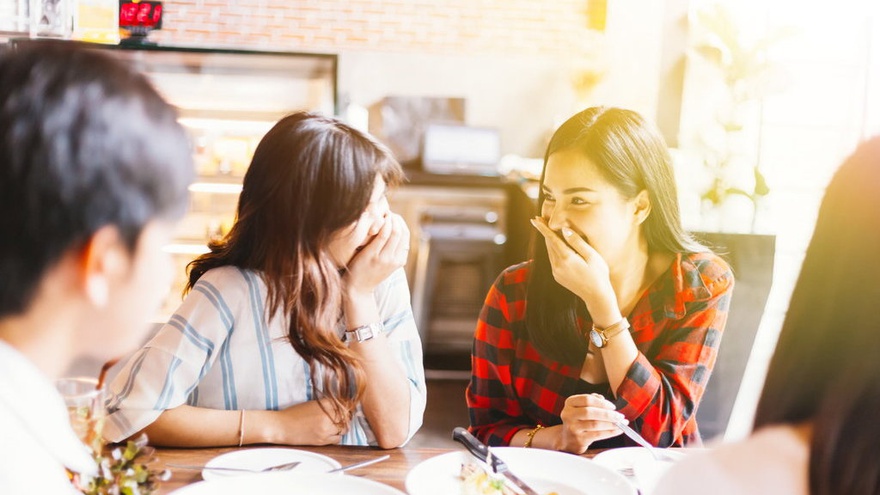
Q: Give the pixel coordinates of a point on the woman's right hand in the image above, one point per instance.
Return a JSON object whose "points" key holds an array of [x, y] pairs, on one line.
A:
{"points": [[385, 252], [586, 418], [305, 424], [578, 267]]}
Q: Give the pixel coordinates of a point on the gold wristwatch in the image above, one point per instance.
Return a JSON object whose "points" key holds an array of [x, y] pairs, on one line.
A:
{"points": [[600, 336]]}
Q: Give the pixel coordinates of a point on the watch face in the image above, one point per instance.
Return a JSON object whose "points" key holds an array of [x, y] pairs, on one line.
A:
{"points": [[596, 339]]}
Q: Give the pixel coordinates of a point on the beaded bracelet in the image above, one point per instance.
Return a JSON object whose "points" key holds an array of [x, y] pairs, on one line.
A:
{"points": [[531, 436]]}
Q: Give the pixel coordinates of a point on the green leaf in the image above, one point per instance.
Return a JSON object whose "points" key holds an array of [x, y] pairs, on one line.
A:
{"points": [[761, 187]]}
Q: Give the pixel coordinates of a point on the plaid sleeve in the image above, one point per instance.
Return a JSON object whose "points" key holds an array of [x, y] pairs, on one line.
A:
{"points": [[495, 412], [660, 393]]}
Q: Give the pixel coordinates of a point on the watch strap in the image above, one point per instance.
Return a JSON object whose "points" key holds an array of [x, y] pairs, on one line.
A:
{"points": [[612, 331], [364, 332]]}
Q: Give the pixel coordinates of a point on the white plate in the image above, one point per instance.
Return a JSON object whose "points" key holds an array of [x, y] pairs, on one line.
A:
{"points": [[289, 483], [544, 470], [638, 461], [262, 458]]}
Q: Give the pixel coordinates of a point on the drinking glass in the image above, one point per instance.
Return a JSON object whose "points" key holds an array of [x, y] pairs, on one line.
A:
{"points": [[85, 404]]}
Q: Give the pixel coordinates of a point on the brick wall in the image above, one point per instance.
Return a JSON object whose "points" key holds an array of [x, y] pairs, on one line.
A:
{"points": [[529, 27]]}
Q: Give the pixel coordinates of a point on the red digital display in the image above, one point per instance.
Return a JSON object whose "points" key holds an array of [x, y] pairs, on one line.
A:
{"points": [[145, 14]]}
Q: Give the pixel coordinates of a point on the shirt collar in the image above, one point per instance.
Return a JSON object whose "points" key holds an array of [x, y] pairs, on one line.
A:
{"points": [[686, 285], [30, 396]]}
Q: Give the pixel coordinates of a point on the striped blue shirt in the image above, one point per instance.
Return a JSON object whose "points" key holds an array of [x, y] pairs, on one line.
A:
{"points": [[219, 351]]}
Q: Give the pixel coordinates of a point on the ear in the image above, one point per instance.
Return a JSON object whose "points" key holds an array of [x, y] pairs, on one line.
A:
{"points": [[102, 259], [642, 205]]}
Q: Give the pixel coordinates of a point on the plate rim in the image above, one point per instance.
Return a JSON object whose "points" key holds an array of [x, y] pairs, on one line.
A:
{"points": [[622, 482], [286, 476], [610, 453], [213, 475]]}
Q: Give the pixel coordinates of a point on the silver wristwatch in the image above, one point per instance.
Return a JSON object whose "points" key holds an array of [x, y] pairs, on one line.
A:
{"points": [[364, 332]]}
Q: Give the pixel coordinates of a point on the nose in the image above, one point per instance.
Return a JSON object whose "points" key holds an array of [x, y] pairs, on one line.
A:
{"points": [[556, 217], [376, 215]]}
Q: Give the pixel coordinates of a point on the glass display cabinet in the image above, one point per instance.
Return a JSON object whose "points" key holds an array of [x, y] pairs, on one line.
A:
{"points": [[227, 100]]}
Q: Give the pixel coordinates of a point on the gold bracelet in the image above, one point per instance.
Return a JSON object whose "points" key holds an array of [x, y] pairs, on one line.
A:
{"points": [[240, 427], [531, 436]]}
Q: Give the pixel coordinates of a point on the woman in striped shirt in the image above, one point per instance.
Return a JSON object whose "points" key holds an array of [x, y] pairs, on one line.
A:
{"points": [[297, 327]]}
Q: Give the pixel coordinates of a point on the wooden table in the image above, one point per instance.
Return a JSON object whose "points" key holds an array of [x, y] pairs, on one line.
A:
{"points": [[392, 471]]}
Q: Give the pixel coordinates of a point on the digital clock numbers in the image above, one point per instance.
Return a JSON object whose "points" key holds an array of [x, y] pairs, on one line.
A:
{"points": [[140, 16]]}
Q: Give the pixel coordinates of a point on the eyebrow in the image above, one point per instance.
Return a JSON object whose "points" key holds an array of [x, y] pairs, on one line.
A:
{"points": [[572, 190]]}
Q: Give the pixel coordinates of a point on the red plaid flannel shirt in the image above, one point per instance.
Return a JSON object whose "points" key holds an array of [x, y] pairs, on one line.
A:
{"points": [[676, 325]]}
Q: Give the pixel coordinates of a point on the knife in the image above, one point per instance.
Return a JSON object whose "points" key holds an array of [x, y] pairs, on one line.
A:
{"points": [[479, 450]]}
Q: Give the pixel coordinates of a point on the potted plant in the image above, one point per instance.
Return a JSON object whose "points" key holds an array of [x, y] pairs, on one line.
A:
{"points": [[730, 143]]}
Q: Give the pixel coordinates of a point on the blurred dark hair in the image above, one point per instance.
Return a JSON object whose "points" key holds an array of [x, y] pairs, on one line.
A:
{"points": [[310, 177], [632, 156], [824, 369], [85, 142]]}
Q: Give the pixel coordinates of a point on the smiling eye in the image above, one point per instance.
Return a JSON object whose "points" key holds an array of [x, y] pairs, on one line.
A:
{"points": [[579, 201], [549, 197]]}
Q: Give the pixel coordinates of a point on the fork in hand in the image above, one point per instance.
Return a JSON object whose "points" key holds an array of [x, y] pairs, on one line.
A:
{"points": [[658, 454]]}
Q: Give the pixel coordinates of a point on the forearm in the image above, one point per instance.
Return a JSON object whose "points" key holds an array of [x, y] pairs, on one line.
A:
{"points": [[188, 426], [620, 351], [386, 400], [619, 355]]}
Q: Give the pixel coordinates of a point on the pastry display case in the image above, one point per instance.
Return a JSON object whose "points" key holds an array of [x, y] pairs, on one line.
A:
{"points": [[227, 100]]}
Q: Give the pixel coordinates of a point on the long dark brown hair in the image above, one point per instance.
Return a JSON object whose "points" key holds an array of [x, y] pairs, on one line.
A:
{"points": [[633, 157], [824, 370], [310, 177]]}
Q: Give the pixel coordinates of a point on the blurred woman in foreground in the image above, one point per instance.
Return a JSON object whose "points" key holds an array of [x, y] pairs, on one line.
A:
{"points": [[816, 425]]}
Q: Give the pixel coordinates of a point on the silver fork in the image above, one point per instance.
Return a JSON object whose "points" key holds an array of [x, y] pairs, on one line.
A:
{"points": [[280, 467], [658, 454]]}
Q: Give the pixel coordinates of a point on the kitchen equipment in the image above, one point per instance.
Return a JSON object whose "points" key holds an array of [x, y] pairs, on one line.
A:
{"points": [[461, 149]]}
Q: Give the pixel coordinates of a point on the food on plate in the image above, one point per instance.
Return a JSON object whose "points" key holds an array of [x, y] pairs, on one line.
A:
{"points": [[478, 480]]}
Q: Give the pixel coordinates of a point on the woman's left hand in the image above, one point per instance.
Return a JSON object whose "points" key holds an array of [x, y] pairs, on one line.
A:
{"points": [[385, 252], [576, 265]]}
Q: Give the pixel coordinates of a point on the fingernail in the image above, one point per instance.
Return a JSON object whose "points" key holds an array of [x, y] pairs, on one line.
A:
{"points": [[566, 232], [533, 222]]}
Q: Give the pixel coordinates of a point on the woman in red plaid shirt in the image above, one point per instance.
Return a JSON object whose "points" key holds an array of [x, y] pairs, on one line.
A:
{"points": [[619, 314]]}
